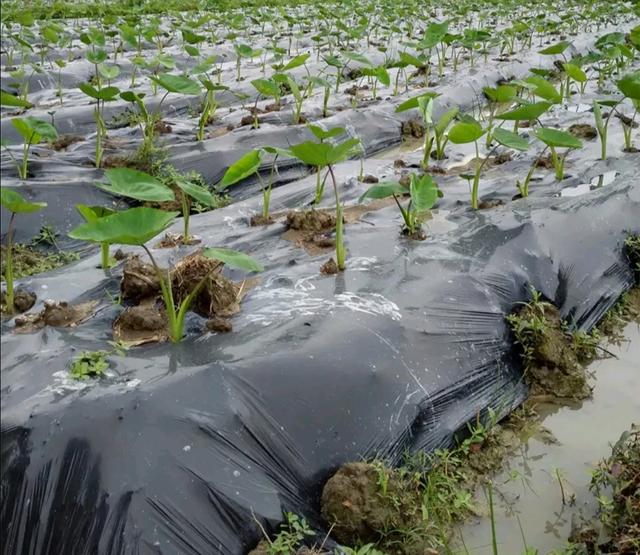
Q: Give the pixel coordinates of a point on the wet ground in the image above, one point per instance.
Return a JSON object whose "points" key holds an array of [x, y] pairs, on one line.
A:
{"points": [[529, 490]]}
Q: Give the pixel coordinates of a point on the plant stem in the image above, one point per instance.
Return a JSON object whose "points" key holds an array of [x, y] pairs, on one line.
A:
{"points": [[186, 213], [104, 256], [175, 333], [8, 271], [340, 251]]}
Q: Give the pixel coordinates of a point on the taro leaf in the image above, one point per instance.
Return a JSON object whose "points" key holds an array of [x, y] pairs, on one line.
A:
{"points": [[195, 191], [97, 57], [93, 213], [192, 38], [424, 192], [501, 93], [266, 87], [354, 56], [629, 85], [105, 93], [137, 185], [414, 102], [296, 62], [557, 48], [164, 60], [465, 132], [410, 60], [234, 259], [576, 73], [557, 138], [324, 154], [383, 190], [177, 84], [510, 139], [446, 119], [526, 112], [322, 134], [33, 130], [15, 202], [244, 50], [135, 226], [244, 167], [7, 99], [109, 72], [544, 89]]}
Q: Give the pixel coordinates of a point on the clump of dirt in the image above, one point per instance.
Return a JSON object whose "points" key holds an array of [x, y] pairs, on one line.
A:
{"points": [[139, 280], [65, 141], [368, 178], [162, 128], [217, 295], [627, 120], [57, 315], [418, 235], [617, 530], [171, 240], [137, 325], [119, 161], [219, 325], [399, 163], [310, 220], [323, 241], [259, 219], [330, 267], [362, 500], [275, 107], [489, 203], [23, 300], [141, 318], [583, 131], [552, 356], [545, 162], [502, 158], [412, 128], [248, 120]]}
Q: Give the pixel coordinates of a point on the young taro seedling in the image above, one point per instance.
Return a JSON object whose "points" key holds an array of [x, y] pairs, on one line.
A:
{"points": [[101, 95], [433, 131], [137, 226], [127, 183], [423, 192], [325, 155], [16, 204], [554, 138], [469, 131], [33, 132], [248, 165]]}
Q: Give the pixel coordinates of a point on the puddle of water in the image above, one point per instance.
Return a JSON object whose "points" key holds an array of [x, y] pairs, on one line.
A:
{"points": [[595, 183], [530, 488]]}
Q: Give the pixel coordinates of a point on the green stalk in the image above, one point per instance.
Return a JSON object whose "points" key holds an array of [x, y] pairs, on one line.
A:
{"points": [[175, 333], [104, 256], [340, 250], [8, 271], [476, 180], [186, 214], [494, 537]]}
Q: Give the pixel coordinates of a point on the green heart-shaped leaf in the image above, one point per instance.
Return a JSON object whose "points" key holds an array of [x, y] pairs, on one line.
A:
{"points": [[137, 185], [135, 226], [234, 259], [15, 202]]}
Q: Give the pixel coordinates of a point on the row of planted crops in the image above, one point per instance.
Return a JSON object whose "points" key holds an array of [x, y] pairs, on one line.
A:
{"points": [[284, 123]]}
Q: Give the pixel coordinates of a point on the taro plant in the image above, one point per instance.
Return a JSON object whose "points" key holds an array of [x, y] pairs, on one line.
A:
{"points": [[244, 51], [467, 131], [188, 192], [100, 95], [128, 183], [16, 204], [498, 96], [433, 130], [33, 132], [423, 192], [209, 105], [326, 155], [137, 226], [554, 139], [249, 164]]}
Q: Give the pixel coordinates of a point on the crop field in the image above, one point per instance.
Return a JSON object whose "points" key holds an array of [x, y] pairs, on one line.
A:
{"points": [[302, 277]]}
